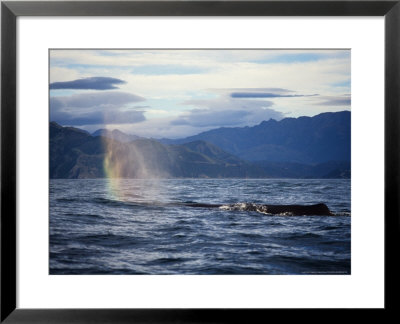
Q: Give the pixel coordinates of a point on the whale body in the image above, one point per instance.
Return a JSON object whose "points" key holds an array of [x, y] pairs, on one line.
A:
{"points": [[288, 210]]}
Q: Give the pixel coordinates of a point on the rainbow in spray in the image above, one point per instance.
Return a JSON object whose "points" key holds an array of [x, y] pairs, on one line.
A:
{"points": [[123, 161]]}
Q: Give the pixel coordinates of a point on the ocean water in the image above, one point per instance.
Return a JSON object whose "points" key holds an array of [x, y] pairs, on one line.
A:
{"points": [[128, 226]]}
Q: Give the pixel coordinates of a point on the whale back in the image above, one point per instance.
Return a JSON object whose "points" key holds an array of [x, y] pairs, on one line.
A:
{"points": [[298, 210], [289, 210]]}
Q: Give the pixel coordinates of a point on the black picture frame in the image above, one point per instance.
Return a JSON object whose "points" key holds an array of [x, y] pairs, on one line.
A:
{"points": [[10, 10]]}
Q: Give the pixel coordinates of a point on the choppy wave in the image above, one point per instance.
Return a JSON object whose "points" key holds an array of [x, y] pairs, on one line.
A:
{"points": [[198, 227], [262, 209]]}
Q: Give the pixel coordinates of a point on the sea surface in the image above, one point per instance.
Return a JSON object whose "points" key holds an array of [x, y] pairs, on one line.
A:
{"points": [[130, 226]]}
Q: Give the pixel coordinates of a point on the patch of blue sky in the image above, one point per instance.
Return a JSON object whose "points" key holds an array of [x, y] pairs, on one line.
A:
{"points": [[168, 69], [201, 95], [70, 92], [139, 70], [164, 106], [303, 57], [344, 84], [110, 52], [64, 92], [77, 66]]}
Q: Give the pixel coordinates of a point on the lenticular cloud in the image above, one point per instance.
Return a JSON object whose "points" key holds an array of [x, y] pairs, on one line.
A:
{"points": [[93, 83]]}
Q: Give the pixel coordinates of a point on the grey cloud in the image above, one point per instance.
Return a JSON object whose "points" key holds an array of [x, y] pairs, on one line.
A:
{"points": [[95, 99], [228, 103], [226, 112], [142, 107], [205, 118], [95, 108], [98, 118], [335, 101], [93, 83], [264, 95], [272, 90]]}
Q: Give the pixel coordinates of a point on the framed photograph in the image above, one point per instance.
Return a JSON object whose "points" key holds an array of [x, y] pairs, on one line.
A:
{"points": [[196, 161]]}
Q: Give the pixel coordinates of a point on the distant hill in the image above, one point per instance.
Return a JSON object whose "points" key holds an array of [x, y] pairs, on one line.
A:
{"points": [[305, 147], [306, 140], [77, 154], [115, 135], [74, 153]]}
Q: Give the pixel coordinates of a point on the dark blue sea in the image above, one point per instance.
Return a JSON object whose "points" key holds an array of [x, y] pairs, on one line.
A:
{"points": [[128, 226]]}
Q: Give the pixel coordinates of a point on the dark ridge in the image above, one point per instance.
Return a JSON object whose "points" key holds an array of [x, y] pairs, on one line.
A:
{"points": [[306, 140]]}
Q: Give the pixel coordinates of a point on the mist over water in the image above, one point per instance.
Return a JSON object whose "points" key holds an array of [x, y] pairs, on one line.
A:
{"points": [[132, 161], [148, 227]]}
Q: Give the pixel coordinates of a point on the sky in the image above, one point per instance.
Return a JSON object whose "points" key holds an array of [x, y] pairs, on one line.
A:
{"points": [[179, 93]]}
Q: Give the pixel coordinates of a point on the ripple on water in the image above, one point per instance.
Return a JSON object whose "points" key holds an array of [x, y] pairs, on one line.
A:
{"points": [[153, 232]]}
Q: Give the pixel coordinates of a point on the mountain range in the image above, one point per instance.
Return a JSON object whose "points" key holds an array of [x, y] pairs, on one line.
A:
{"points": [[322, 138], [78, 154], [305, 147], [116, 135]]}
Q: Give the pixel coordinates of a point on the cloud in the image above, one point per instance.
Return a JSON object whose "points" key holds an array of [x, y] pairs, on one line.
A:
{"points": [[141, 107], [249, 93], [94, 99], [225, 102], [335, 101], [93, 83], [274, 90], [174, 69], [96, 108], [204, 118], [63, 74], [197, 58], [148, 71], [232, 87], [98, 118], [264, 95], [225, 111]]}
